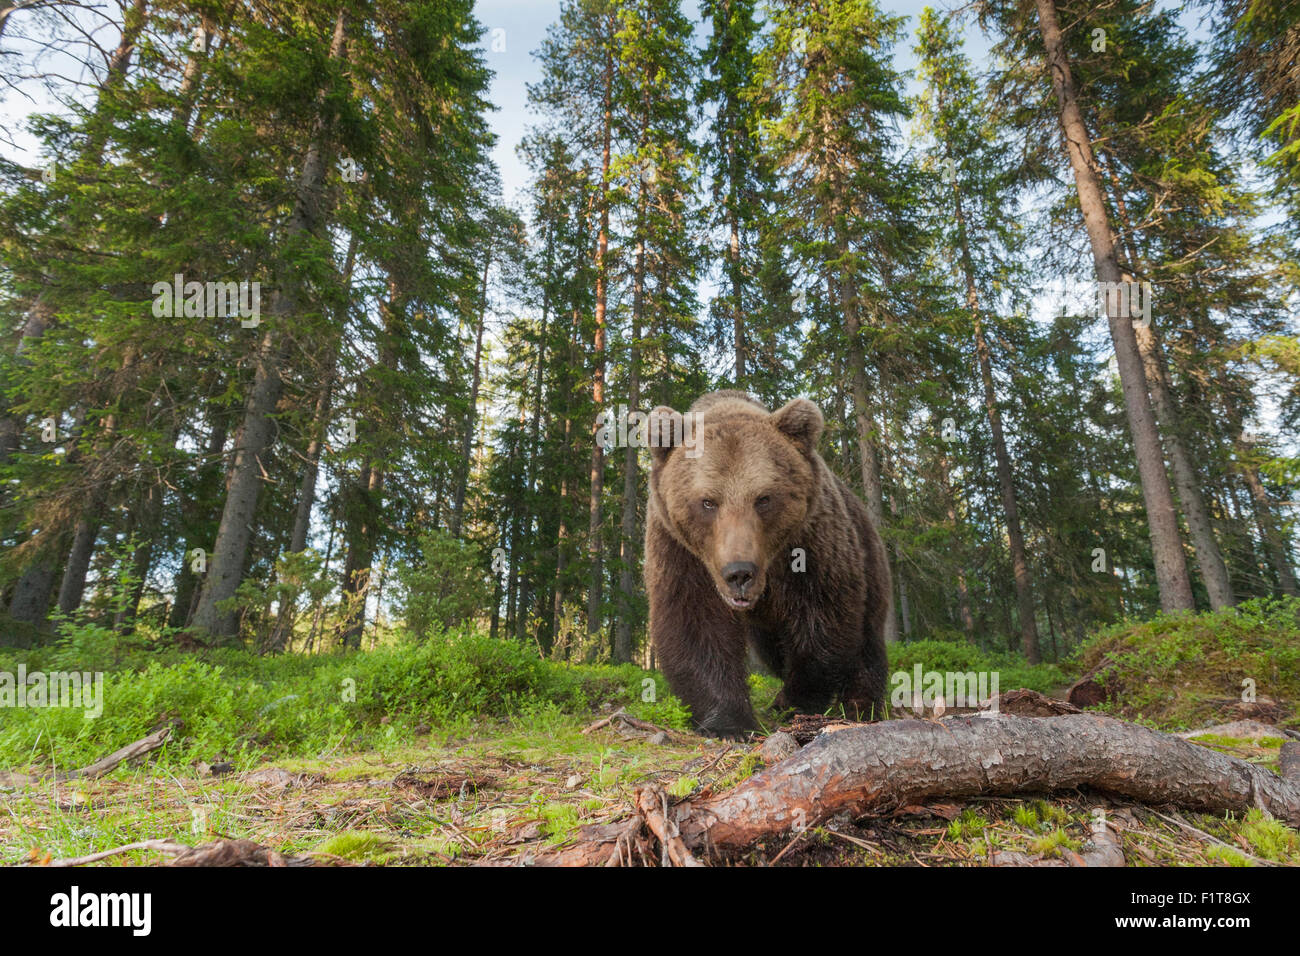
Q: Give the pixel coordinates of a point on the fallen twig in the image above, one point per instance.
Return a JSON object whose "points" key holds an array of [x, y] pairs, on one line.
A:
{"points": [[97, 769], [158, 846]]}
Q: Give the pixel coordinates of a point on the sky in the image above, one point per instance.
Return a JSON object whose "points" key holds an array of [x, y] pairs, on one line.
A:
{"points": [[516, 28]]}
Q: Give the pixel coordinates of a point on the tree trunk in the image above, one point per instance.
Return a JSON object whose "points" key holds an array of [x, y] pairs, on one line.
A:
{"points": [[875, 769], [212, 466], [357, 564], [534, 442], [30, 602], [562, 534], [467, 450], [862, 414], [595, 541], [73, 585], [1162, 519], [320, 423], [1274, 542], [362, 521], [1006, 483], [631, 471], [1209, 559], [146, 529], [737, 317], [963, 590], [257, 432]]}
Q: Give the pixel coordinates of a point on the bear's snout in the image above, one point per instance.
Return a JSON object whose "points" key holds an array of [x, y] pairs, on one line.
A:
{"points": [[739, 575], [742, 584]]}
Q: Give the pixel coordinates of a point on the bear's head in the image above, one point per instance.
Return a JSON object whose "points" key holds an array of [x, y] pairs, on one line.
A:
{"points": [[734, 484]]}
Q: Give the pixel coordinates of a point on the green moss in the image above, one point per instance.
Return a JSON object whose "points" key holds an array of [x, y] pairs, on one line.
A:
{"points": [[558, 821], [1050, 844], [1179, 671], [1026, 817], [749, 765], [969, 824], [1217, 740], [1051, 813], [357, 845], [683, 787], [1270, 838], [1226, 855]]}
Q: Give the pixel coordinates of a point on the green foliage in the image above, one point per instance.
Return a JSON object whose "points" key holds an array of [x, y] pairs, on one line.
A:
{"points": [[950, 657], [237, 705], [445, 586]]}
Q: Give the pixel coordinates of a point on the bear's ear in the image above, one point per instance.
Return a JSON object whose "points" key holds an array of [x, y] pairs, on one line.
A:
{"points": [[801, 421], [664, 431]]}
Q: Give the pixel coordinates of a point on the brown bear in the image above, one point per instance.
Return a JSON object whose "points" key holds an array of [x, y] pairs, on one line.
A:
{"points": [[751, 542]]}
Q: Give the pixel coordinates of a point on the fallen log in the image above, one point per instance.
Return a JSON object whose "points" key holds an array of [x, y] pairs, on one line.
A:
{"points": [[876, 768]]}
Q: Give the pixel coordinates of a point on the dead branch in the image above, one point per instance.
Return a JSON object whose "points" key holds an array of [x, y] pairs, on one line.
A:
{"points": [[158, 846], [652, 802], [621, 716], [97, 769]]}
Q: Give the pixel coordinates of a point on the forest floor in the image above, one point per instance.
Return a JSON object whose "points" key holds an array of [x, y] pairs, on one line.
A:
{"points": [[467, 750], [506, 794]]}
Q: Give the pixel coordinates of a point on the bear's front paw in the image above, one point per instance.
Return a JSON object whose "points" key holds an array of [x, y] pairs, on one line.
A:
{"points": [[732, 728], [735, 736]]}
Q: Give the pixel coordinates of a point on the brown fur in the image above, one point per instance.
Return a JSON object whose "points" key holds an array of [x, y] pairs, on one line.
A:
{"points": [[821, 629]]}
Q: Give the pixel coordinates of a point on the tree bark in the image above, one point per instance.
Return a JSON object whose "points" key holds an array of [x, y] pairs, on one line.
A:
{"points": [[1209, 559], [1162, 519]]}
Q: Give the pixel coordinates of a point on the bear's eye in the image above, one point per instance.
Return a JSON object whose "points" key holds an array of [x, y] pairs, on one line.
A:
{"points": [[763, 501], [709, 504]]}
